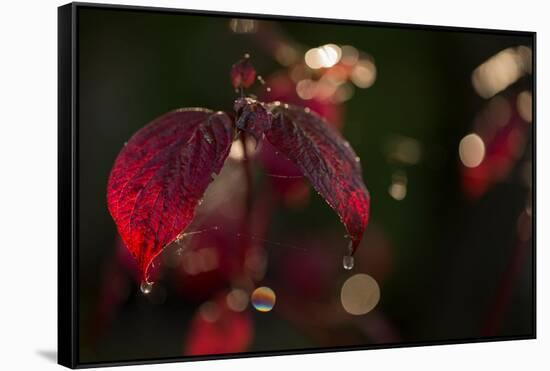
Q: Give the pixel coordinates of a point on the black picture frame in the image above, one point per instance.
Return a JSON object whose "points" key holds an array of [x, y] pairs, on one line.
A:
{"points": [[68, 182]]}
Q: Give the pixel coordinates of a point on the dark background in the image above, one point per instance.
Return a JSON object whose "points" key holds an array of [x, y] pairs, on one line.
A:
{"points": [[448, 253]]}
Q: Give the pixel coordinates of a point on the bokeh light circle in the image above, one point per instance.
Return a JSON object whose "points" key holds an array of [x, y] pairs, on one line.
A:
{"points": [[263, 299], [237, 300], [471, 150], [360, 294]]}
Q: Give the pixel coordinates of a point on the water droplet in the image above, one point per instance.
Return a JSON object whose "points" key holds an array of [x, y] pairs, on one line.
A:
{"points": [[200, 201], [357, 159], [261, 79], [125, 144], [268, 89], [208, 138], [179, 239], [146, 287], [348, 261], [286, 105], [263, 299], [307, 110]]}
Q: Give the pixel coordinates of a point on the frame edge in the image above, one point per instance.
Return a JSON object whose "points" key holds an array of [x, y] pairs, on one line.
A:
{"points": [[66, 298], [68, 340]]}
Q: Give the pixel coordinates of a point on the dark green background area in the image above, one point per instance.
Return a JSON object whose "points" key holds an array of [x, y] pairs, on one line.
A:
{"points": [[448, 252]]}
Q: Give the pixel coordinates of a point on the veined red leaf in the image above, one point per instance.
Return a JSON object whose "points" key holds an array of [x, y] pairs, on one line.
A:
{"points": [[326, 159], [252, 117], [161, 174]]}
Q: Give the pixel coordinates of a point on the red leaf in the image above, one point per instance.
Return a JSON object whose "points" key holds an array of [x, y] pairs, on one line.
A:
{"points": [[252, 117], [327, 160], [161, 174], [243, 74]]}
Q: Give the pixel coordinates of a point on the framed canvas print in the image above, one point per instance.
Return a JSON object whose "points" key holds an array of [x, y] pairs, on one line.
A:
{"points": [[235, 185]]}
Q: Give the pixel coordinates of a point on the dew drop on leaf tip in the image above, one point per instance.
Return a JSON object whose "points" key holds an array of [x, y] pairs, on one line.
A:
{"points": [[348, 262], [208, 138], [146, 287]]}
